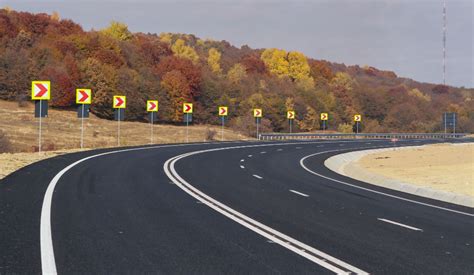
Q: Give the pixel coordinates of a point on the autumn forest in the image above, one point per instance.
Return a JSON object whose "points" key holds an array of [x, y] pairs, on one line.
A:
{"points": [[176, 68]]}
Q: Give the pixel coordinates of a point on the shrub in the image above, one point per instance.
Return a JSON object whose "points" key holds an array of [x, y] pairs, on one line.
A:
{"points": [[210, 134], [344, 128], [5, 145]]}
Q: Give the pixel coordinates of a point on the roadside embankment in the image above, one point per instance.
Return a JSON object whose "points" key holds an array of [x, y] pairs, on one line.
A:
{"points": [[440, 171]]}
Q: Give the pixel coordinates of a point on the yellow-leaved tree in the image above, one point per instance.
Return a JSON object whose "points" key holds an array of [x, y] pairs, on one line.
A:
{"points": [[118, 31], [276, 61], [298, 66], [236, 73], [293, 65], [180, 49], [166, 37], [214, 60], [310, 120]]}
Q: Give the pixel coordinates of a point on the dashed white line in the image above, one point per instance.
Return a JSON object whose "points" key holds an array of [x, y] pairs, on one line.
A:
{"points": [[258, 177], [279, 150], [299, 193], [400, 224], [368, 143], [241, 166], [263, 152], [242, 160], [249, 156], [298, 147]]}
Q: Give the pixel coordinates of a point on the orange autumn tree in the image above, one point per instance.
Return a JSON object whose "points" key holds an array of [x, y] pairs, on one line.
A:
{"points": [[178, 91]]}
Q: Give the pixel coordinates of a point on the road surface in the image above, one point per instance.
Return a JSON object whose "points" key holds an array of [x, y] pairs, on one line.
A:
{"points": [[258, 208]]}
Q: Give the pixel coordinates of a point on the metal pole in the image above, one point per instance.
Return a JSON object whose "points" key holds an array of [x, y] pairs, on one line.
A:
{"points": [[82, 127], [445, 123], [187, 124], [118, 129], [357, 127], [151, 128], [291, 124], [454, 123], [257, 126], [40, 115], [222, 129]]}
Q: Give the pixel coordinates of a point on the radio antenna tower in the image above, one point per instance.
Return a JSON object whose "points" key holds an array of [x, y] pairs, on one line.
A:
{"points": [[444, 42]]}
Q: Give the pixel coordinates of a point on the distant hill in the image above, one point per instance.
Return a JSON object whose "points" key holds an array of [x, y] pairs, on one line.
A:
{"points": [[175, 68]]}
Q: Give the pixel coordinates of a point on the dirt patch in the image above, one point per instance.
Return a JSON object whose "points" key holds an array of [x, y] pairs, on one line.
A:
{"points": [[445, 167]]}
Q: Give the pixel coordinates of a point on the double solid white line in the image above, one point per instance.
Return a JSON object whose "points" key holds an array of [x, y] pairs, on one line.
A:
{"points": [[331, 263]]}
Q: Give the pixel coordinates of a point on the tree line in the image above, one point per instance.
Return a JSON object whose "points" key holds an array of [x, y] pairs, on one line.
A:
{"points": [[176, 68]]}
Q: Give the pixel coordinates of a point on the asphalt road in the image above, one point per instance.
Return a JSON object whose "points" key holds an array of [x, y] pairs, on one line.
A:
{"points": [[230, 208]]}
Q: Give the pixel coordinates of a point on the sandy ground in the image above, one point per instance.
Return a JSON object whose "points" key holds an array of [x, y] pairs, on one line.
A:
{"points": [[445, 167]]}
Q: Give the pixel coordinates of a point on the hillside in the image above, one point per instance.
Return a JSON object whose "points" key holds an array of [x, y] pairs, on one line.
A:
{"points": [[174, 68]]}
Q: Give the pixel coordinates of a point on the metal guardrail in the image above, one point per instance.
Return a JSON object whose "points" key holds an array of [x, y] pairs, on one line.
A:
{"points": [[287, 136]]}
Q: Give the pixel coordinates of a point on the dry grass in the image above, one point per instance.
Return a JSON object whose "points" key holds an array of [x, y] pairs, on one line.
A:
{"points": [[11, 162], [62, 129], [61, 134]]}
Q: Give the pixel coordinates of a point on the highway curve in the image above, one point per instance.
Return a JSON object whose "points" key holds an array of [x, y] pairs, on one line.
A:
{"points": [[223, 208]]}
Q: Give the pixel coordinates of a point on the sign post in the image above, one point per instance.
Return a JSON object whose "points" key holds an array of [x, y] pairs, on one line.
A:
{"points": [[188, 114], [357, 119], [223, 112], [119, 104], [152, 108], [449, 120], [290, 115], [257, 114], [324, 119], [83, 99], [40, 91]]}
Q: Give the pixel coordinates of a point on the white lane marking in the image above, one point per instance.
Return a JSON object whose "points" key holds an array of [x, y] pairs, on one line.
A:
{"points": [[242, 160], [263, 152], [368, 143], [241, 166], [373, 191], [258, 177], [341, 144], [310, 253], [299, 147], [299, 193], [320, 146], [279, 150], [48, 261], [400, 224]]}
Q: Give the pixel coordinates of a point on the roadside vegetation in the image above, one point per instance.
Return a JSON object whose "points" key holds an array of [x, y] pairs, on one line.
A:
{"points": [[175, 68]]}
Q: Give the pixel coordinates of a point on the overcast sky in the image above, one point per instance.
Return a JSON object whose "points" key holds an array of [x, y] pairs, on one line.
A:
{"points": [[400, 35]]}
